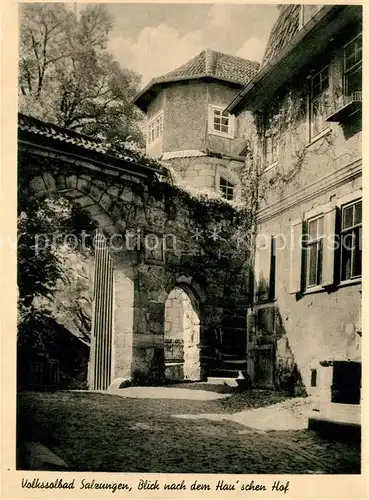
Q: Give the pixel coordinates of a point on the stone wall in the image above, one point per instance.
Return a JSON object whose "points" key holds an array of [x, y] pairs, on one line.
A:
{"points": [[160, 238], [204, 172]]}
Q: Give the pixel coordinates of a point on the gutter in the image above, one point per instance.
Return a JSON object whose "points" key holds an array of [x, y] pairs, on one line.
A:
{"points": [[314, 21], [224, 156], [201, 76]]}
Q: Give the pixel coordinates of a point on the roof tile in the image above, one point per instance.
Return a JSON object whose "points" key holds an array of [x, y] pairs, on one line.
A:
{"points": [[208, 63], [284, 29]]}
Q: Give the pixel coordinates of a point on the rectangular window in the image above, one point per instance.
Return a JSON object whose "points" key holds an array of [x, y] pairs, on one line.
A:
{"points": [[353, 54], [314, 251], [351, 241], [155, 128], [319, 102], [271, 149], [226, 189], [220, 122], [313, 378]]}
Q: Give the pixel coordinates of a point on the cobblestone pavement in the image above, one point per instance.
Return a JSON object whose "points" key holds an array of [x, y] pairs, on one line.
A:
{"points": [[103, 432]]}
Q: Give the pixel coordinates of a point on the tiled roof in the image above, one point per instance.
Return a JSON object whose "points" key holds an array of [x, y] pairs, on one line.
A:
{"points": [[284, 29], [91, 145], [208, 63], [51, 131]]}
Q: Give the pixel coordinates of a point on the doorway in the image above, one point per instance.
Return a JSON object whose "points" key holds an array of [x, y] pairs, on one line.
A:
{"points": [[181, 337]]}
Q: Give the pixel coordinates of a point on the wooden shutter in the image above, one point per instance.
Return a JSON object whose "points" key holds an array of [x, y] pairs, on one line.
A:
{"points": [[329, 247], [295, 256]]}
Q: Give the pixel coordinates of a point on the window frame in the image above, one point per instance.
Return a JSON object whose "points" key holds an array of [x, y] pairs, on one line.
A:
{"points": [[155, 128], [343, 233], [231, 121], [228, 185], [317, 241], [354, 67], [321, 96]]}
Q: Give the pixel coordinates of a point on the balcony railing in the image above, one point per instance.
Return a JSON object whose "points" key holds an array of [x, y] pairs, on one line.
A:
{"points": [[345, 106]]}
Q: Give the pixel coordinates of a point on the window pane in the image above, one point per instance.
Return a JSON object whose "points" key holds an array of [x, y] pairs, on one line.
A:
{"points": [[312, 259], [346, 245], [217, 112], [320, 230], [320, 262], [217, 127], [313, 229], [353, 52], [225, 128], [354, 81], [348, 214], [357, 253], [358, 213]]}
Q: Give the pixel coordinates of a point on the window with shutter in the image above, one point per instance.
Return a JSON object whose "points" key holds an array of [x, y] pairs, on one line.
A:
{"points": [[314, 251], [351, 241]]}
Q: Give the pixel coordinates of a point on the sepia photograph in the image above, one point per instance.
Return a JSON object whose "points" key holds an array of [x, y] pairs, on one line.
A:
{"points": [[189, 255]]}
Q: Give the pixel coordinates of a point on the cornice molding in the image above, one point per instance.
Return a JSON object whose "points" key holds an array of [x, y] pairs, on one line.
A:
{"points": [[321, 186]]}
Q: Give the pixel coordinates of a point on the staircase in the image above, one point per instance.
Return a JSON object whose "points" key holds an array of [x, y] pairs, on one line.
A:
{"points": [[226, 370]]}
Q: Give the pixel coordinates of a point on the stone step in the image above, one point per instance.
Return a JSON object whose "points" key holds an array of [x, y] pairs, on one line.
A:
{"points": [[228, 373], [222, 381], [338, 421]]}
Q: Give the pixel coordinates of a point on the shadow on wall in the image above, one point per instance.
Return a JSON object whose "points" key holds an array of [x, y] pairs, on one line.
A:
{"points": [[271, 361]]}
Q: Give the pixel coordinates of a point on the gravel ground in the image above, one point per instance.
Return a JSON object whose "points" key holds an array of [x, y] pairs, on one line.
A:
{"points": [[103, 432]]}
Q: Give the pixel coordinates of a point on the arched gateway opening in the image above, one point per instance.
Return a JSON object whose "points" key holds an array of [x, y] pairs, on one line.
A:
{"points": [[182, 336]]}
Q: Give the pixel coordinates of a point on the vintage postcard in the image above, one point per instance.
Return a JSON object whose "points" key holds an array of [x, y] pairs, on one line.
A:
{"points": [[185, 298]]}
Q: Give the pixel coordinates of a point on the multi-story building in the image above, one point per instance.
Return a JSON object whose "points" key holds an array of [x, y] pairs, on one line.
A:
{"points": [[187, 124], [304, 324]]}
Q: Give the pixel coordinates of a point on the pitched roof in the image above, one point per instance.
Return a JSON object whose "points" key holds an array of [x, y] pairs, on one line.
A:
{"points": [[88, 146], [284, 29], [207, 64]]}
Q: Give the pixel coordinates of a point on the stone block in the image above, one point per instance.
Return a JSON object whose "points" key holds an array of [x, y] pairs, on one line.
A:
{"points": [[105, 201], [113, 191], [37, 185], [71, 181], [61, 182], [49, 181], [126, 195], [83, 184], [96, 192]]}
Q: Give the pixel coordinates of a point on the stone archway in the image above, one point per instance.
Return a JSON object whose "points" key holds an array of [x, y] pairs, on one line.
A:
{"points": [[112, 281], [181, 336]]}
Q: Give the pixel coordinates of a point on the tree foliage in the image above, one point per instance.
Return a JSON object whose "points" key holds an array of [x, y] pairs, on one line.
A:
{"points": [[55, 244], [68, 77]]}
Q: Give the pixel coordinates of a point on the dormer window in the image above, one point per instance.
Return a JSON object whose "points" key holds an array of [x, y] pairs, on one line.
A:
{"points": [[155, 128], [226, 189], [220, 122]]}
